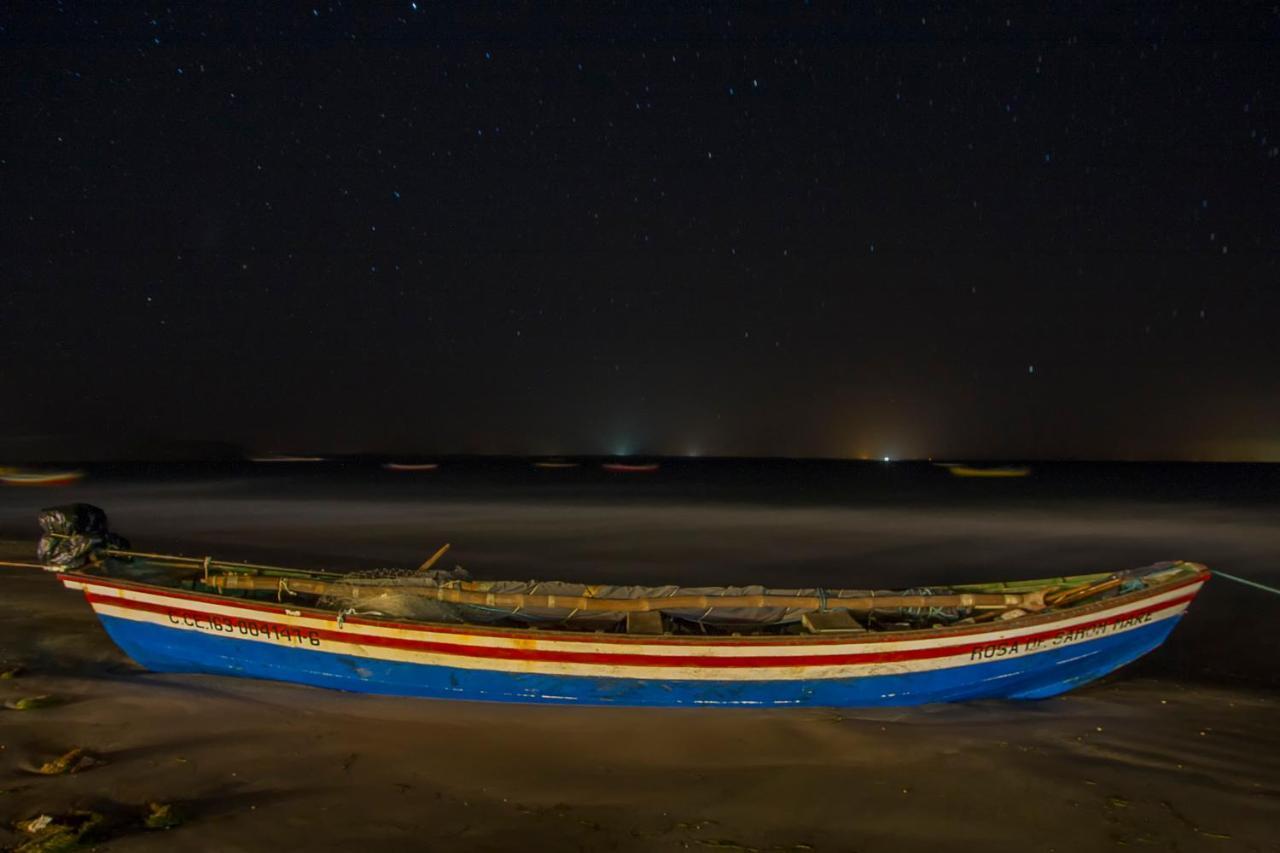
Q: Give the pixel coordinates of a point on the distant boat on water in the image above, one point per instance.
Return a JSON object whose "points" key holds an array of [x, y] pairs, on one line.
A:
{"points": [[994, 471], [18, 477], [411, 466], [630, 467], [285, 457], [552, 464]]}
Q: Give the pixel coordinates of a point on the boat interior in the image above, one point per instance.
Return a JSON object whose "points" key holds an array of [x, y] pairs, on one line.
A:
{"points": [[433, 596], [76, 539]]}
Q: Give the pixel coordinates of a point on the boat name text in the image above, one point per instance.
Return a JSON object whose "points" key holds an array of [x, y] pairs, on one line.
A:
{"points": [[1004, 648], [247, 628]]}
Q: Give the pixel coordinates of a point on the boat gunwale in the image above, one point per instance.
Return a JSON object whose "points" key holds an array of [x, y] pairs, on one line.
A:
{"points": [[528, 633]]}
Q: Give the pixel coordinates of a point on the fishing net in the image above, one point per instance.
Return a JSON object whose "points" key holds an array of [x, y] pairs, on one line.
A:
{"points": [[403, 605], [932, 615]]}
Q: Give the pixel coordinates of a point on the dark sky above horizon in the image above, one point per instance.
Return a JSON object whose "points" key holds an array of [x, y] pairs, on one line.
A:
{"points": [[652, 229]]}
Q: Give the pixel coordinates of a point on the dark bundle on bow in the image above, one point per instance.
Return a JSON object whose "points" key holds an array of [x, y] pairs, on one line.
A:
{"points": [[72, 533]]}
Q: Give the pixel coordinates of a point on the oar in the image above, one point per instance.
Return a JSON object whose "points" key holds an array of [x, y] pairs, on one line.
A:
{"points": [[426, 567]]}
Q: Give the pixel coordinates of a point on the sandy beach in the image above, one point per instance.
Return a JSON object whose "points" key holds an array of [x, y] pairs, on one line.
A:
{"points": [[1179, 751]]}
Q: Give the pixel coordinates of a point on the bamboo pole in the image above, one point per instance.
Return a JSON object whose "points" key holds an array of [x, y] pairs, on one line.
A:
{"points": [[14, 564], [1071, 595], [515, 600], [198, 562]]}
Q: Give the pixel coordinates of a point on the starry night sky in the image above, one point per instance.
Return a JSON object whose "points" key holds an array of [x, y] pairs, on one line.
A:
{"points": [[652, 229]]}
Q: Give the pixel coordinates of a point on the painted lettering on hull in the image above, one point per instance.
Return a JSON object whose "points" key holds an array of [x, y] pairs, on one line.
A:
{"points": [[995, 650], [253, 628], [1005, 648]]}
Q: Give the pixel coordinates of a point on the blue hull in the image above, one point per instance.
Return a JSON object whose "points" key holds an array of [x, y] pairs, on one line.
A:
{"points": [[1036, 676]]}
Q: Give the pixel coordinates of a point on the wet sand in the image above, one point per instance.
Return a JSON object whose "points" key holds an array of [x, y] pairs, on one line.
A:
{"points": [[1180, 751]]}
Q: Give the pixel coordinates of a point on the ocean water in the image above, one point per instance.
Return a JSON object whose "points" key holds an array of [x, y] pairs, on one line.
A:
{"points": [[781, 523]]}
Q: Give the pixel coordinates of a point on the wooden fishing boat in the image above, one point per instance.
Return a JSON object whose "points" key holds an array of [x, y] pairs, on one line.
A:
{"points": [[438, 634]]}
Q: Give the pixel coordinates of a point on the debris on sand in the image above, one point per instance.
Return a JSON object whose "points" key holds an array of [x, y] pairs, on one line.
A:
{"points": [[162, 816], [55, 834], [36, 824], [74, 760], [31, 703]]}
